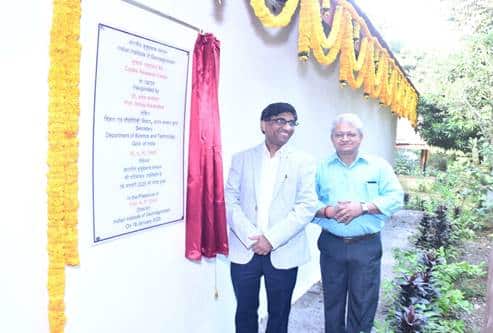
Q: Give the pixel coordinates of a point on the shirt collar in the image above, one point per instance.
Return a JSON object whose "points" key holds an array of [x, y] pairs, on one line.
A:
{"points": [[360, 157], [280, 153]]}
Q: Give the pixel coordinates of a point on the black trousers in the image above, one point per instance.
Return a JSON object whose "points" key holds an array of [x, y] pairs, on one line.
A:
{"points": [[350, 272], [279, 285]]}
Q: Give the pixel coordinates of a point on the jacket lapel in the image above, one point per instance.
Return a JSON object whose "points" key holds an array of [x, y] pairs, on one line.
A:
{"points": [[257, 170]]}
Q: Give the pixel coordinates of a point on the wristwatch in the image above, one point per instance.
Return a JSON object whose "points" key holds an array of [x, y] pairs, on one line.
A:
{"points": [[364, 208]]}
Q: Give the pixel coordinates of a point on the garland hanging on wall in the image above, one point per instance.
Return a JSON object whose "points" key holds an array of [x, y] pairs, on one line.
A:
{"points": [[270, 20], [370, 67], [63, 126]]}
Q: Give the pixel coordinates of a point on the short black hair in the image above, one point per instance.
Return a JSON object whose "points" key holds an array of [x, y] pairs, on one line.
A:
{"points": [[276, 108]]}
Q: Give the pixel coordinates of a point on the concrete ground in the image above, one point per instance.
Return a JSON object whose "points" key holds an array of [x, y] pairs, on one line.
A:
{"points": [[307, 312]]}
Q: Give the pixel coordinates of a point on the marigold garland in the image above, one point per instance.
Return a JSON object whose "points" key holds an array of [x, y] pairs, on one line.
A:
{"points": [[374, 68], [391, 91], [270, 20], [348, 62], [321, 39], [63, 126], [305, 31], [319, 42], [369, 81]]}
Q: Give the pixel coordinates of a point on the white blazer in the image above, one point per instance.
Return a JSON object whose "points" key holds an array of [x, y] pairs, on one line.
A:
{"points": [[294, 204]]}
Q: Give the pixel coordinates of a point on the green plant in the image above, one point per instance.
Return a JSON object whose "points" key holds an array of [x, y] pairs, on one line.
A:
{"points": [[465, 225], [432, 292], [471, 288], [406, 261], [415, 202], [383, 326], [388, 296], [447, 278], [453, 302], [448, 274], [456, 105], [407, 163], [437, 161], [441, 325], [463, 189]]}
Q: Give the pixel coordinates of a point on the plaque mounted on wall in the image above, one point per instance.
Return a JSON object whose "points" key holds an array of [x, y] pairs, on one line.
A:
{"points": [[138, 133]]}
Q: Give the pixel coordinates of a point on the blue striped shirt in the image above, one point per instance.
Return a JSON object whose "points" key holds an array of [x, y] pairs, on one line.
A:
{"points": [[367, 179]]}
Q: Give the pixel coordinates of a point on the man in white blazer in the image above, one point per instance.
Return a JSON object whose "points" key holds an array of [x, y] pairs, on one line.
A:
{"points": [[270, 198]]}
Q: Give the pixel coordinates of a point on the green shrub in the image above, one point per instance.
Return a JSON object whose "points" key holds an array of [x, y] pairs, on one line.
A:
{"points": [[407, 163], [431, 290]]}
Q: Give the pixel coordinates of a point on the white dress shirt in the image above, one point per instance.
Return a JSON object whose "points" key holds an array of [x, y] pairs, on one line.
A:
{"points": [[268, 174]]}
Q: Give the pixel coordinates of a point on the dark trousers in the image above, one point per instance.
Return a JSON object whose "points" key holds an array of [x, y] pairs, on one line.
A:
{"points": [[279, 284], [350, 271]]}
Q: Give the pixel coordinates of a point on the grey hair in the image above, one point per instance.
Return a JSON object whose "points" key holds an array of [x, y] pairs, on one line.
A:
{"points": [[348, 118]]}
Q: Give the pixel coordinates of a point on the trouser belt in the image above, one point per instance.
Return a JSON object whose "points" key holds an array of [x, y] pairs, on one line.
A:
{"points": [[353, 239]]}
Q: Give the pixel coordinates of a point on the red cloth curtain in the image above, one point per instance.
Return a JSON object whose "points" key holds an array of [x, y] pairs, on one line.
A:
{"points": [[206, 230]]}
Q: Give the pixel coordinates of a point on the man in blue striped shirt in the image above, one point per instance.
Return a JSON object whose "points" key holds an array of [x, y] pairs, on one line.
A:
{"points": [[357, 194]]}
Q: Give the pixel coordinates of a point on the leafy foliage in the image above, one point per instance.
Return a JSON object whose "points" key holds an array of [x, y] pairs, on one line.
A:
{"points": [[412, 290], [431, 298], [462, 189], [456, 113], [437, 126], [460, 107], [406, 163], [434, 229], [456, 103], [409, 321]]}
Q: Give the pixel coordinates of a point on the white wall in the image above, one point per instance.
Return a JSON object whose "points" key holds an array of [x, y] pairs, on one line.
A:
{"points": [[23, 147], [142, 282]]}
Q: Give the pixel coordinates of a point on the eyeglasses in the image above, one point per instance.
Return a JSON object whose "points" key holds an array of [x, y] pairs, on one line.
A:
{"points": [[341, 135], [282, 122]]}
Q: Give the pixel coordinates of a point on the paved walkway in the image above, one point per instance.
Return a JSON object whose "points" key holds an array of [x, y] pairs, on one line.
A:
{"points": [[307, 313]]}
